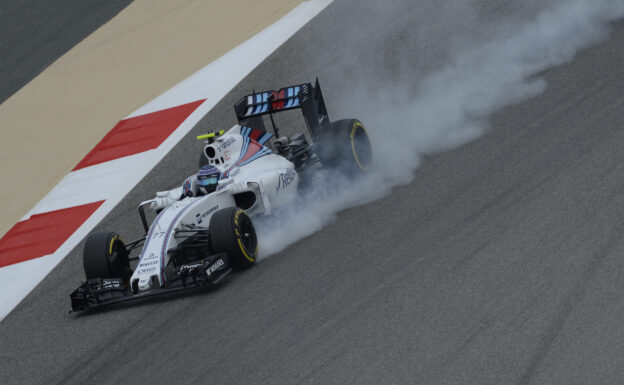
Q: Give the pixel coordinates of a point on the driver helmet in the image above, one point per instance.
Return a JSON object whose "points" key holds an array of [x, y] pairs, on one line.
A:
{"points": [[208, 178]]}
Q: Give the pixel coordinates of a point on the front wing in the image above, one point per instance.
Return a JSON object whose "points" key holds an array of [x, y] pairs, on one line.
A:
{"points": [[100, 292]]}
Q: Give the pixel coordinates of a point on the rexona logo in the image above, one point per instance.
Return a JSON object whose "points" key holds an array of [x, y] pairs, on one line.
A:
{"points": [[215, 266], [285, 179], [200, 216]]}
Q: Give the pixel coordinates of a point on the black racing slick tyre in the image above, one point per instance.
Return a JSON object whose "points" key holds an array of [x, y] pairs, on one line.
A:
{"points": [[345, 146], [232, 232], [105, 256]]}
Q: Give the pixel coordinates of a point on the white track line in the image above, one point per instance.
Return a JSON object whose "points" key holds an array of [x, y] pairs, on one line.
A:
{"points": [[212, 83]]}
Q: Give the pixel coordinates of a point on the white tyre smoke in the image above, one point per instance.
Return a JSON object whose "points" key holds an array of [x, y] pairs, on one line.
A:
{"points": [[450, 108]]}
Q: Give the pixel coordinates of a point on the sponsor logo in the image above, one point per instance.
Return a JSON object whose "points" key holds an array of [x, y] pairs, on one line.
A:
{"points": [[150, 257], [147, 270], [190, 267], [199, 217], [285, 179], [215, 266], [235, 172], [226, 144], [110, 284]]}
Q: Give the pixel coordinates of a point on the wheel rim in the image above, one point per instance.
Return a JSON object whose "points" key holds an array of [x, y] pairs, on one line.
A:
{"points": [[248, 235]]}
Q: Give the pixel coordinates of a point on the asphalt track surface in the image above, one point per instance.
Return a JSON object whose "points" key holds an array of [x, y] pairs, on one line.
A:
{"points": [[35, 33], [500, 263]]}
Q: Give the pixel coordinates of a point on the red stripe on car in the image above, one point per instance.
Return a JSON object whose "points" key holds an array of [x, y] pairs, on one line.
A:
{"points": [[278, 105], [255, 134], [252, 149]]}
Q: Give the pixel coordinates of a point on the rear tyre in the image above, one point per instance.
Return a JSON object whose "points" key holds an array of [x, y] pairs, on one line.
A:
{"points": [[105, 256], [346, 147], [232, 232]]}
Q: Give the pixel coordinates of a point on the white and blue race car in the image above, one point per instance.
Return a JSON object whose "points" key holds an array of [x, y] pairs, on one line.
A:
{"points": [[197, 239]]}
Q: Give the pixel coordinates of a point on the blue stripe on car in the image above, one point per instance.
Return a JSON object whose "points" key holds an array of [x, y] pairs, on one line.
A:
{"points": [[163, 251]]}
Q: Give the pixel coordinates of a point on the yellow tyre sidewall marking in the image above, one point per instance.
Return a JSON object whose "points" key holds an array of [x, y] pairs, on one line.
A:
{"points": [[249, 258], [238, 239], [112, 242], [238, 212], [353, 130]]}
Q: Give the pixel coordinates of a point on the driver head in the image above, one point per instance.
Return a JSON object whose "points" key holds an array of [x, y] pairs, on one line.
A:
{"points": [[208, 178]]}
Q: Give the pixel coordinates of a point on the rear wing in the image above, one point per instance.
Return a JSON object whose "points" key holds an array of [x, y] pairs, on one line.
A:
{"points": [[250, 109]]}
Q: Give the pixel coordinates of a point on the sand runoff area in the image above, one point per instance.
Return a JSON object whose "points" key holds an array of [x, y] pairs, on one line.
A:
{"points": [[51, 123]]}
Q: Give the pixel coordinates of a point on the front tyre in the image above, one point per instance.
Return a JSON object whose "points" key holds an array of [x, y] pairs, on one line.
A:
{"points": [[105, 256], [232, 232], [345, 146]]}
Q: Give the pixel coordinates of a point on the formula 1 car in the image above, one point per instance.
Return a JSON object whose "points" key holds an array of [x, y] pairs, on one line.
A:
{"points": [[197, 241]]}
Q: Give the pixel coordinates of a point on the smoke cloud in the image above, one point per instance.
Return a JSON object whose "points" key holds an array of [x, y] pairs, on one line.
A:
{"points": [[496, 66]]}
